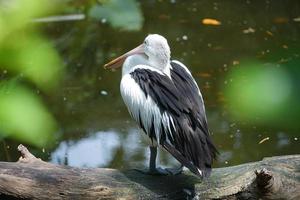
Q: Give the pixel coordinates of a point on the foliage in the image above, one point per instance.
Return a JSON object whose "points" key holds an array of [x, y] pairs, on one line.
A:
{"points": [[262, 94], [26, 56], [23, 115]]}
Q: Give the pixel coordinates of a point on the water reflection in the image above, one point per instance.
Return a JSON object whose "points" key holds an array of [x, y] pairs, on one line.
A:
{"points": [[108, 149], [96, 150]]}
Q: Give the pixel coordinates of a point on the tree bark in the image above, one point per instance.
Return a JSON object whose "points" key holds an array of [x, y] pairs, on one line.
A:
{"points": [[32, 178]]}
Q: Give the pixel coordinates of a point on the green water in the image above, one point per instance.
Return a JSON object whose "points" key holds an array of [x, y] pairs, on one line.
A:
{"points": [[95, 127]]}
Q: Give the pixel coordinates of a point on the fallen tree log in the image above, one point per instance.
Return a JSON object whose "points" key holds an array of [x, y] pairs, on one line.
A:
{"points": [[32, 178]]}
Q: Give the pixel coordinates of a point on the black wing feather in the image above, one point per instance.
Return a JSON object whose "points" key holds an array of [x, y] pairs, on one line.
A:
{"points": [[190, 142]]}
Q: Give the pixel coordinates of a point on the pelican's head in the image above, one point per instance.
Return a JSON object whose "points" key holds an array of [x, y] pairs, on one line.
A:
{"points": [[156, 49]]}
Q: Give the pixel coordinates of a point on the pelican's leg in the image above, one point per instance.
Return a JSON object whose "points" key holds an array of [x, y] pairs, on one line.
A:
{"points": [[152, 163], [153, 170], [158, 170]]}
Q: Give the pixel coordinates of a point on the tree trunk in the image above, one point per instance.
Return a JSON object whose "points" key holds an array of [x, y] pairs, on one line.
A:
{"points": [[32, 178]]}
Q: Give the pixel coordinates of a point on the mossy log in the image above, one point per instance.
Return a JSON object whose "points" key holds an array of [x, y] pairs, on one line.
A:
{"points": [[32, 178]]}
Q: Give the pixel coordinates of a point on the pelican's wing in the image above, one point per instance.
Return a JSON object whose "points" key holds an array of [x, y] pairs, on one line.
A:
{"points": [[183, 130]]}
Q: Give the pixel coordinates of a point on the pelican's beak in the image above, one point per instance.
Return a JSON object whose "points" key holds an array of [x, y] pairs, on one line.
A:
{"points": [[120, 60]]}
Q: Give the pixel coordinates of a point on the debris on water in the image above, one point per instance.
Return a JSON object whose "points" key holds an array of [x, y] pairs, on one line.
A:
{"points": [[226, 162], [210, 21], [235, 62], [60, 18], [204, 75], [207, 85], [295, 138], [297, 19], [269, 33], [104, 93], [65, 98], [185, 37], [173, 1], [249, 30], [164, 16], [285, 46], [280, 20], [225, 67], [103, 20], [263, 140], [216, 6]]}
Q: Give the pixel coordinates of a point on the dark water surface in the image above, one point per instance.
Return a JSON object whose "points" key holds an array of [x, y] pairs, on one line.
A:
{"points": [[95, 127]]}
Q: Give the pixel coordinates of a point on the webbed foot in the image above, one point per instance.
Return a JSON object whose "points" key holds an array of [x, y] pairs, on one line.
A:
{"points": [[174, 171], [155, 172]]}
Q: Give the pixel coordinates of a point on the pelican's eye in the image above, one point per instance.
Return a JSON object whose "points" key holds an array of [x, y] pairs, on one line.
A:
{"points": [[145, 42]]}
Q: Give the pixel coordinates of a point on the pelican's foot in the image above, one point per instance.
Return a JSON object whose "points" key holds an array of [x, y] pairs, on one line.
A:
{"points": [[155, 172]]}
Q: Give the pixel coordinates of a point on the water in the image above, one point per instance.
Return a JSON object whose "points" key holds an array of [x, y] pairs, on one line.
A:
{"points": [[95, 127]]}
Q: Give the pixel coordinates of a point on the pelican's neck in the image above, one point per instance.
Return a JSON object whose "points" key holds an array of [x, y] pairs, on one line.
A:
{"points": [[139, 59], [163, 66], [132, 61]]}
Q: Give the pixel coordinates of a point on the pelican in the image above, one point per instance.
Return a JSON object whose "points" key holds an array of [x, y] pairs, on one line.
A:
{"points": [[164, 99]]}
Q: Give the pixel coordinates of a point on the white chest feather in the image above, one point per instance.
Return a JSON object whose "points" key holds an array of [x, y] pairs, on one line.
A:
{"points": [[144, 110]]}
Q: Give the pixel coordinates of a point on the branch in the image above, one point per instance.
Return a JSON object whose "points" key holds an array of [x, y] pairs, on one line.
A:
{"points": [[32, 178]]}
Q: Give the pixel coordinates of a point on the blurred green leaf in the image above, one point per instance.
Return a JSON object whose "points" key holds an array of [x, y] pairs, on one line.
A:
{"points": [[25, 53], [16, 14], [259, 93], [124, 14], [24, 117], [34, 57]]}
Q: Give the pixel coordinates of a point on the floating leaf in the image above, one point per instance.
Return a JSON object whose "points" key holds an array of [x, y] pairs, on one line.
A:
{"points": [[209, 21], [280, 20], [124, 14]]}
